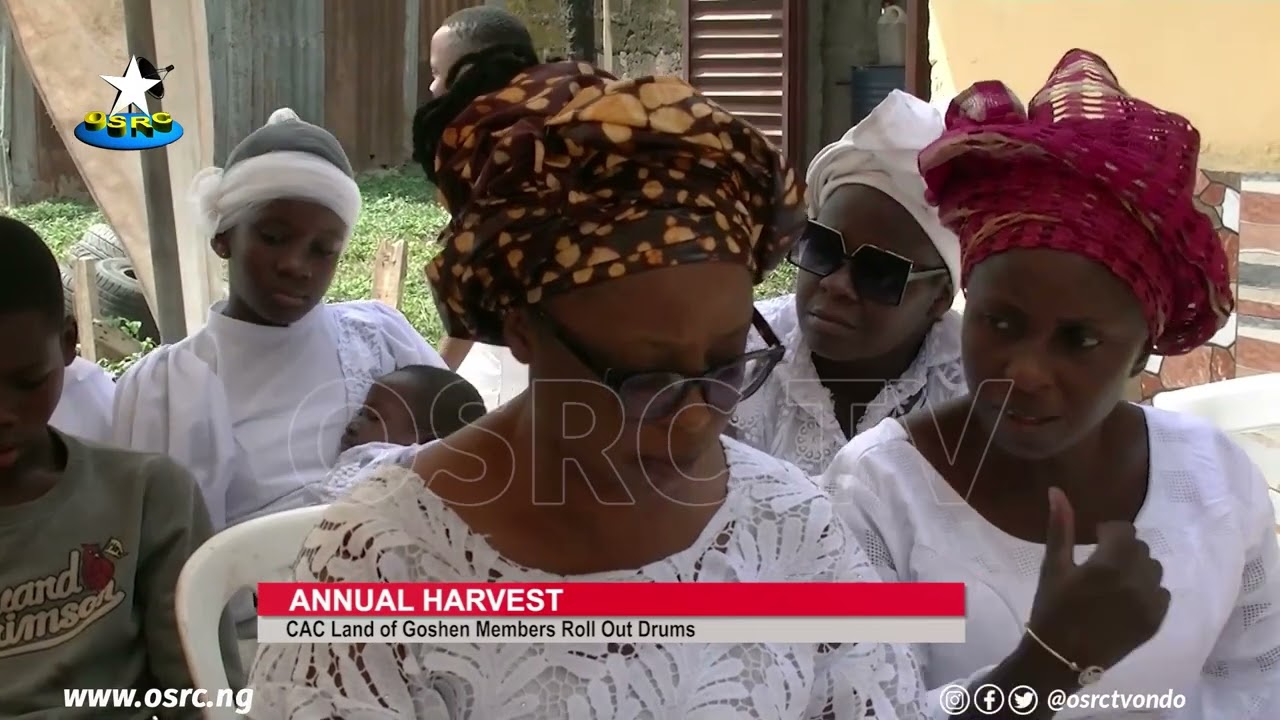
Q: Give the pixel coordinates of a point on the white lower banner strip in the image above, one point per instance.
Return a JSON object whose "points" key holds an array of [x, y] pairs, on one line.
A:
{"points": [[464, 630]]}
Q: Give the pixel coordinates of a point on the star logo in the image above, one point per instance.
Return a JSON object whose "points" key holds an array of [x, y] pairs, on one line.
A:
{"points": [[131, 124], [131, 89]]}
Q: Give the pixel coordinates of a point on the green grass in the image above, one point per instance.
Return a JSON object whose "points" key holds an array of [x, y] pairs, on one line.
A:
{"points": [[779, 282], [59, 222], [398, 205]]}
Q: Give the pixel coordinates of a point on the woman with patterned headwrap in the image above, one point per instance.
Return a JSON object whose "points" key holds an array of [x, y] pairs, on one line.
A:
{"points": [[1157, 570], [608, 232]]}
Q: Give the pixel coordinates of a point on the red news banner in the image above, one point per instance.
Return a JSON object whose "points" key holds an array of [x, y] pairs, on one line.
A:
{"points": [[610, 612]]}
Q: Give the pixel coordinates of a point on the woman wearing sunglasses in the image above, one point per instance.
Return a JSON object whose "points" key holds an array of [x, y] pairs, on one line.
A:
{"points": [[609, 233], [1133, 547], [869, 331]]}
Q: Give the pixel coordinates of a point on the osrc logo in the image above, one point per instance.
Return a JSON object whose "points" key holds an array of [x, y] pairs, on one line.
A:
{"points": [[121, 128]]}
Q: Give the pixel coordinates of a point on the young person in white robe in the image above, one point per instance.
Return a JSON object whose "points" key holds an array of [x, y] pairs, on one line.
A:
{"points": [[492, 369], [85, 406], [598, 276], [255, 403], [869, 330], [1082, 254]]}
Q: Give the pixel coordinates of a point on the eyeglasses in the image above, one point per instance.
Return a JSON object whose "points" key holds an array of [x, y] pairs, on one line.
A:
{"points": [[653, 395], [878, 275]]}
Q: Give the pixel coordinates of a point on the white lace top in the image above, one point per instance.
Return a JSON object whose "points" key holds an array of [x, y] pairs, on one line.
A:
{"points": [[353, 464], [792, 416], [775, 525], [1207, 519]]}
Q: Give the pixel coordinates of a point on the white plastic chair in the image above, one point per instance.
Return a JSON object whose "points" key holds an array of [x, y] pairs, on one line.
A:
{"points": [[260, 550], [1248, 409], [1245, 403]]}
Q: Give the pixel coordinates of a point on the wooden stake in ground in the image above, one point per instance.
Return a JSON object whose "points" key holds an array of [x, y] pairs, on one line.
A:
{"points": [[84, 281], [389, 266], [99, 338], [606, 35]]}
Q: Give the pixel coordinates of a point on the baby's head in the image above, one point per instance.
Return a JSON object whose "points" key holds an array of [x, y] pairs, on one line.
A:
{"points": [[412, 405]]}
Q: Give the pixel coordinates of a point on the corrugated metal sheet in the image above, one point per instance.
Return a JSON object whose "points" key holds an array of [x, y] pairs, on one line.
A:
{"points": [[366, 68], [358, 68], [34, 162], [264, 55], [54, 165], [734, 54]]}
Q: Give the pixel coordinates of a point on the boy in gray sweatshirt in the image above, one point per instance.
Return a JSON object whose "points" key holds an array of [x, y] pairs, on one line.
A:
{"points": [[92, 538]]}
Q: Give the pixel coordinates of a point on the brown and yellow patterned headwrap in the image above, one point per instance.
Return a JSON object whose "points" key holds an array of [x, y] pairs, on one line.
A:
{"points": [[569, 177]]}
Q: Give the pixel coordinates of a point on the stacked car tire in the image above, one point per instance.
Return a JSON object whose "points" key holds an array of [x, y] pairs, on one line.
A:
{"points": [[119, 292]]}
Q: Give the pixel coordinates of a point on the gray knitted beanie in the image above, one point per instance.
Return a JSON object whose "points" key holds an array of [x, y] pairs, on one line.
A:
{"points": [[288, 158], [284, 132]]}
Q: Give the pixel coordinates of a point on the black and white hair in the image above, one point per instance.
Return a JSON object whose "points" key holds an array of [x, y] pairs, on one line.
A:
{"points": [[499, 47], [485, 26]]}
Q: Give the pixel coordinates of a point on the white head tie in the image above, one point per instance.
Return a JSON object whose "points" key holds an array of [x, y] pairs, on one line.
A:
{"points": [[881, 152]]}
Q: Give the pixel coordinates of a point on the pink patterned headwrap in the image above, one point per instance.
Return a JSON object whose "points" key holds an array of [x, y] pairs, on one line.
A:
{"points": [[1087, 169]]}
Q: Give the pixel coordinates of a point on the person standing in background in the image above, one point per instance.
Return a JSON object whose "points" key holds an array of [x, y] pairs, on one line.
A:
{"points": [[493, 370]]}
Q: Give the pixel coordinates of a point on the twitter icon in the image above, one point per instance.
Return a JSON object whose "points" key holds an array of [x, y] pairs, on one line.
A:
{"points": [[1023, 700]]}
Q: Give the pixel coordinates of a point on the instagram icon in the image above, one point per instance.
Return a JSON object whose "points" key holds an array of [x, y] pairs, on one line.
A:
{"points": [[954, 699]]}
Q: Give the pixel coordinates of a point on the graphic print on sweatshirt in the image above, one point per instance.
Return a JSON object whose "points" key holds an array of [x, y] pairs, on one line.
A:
{"points": [[49, 610]]}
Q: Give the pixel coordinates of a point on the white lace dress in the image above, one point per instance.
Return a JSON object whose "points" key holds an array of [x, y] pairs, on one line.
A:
{"points": [[1206, 518], [792, 416], [774, 526]]}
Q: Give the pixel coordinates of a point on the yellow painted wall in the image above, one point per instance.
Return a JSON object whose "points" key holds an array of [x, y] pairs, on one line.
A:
{"points": [[1217, 62]]}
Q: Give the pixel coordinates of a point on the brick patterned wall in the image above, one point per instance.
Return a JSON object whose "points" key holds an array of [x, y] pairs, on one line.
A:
{"points": [[1259, 287], [1219, 195]]}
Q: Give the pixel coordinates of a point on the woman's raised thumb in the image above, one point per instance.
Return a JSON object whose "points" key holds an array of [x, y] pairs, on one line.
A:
{"points": [[1060, 536]]}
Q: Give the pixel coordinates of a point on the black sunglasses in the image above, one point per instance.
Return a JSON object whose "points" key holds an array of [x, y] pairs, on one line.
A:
{"points": [[878, 275], [656, 394]]}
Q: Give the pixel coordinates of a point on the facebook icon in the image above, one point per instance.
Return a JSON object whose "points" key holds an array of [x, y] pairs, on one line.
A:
{"points": [[988, 700]]}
